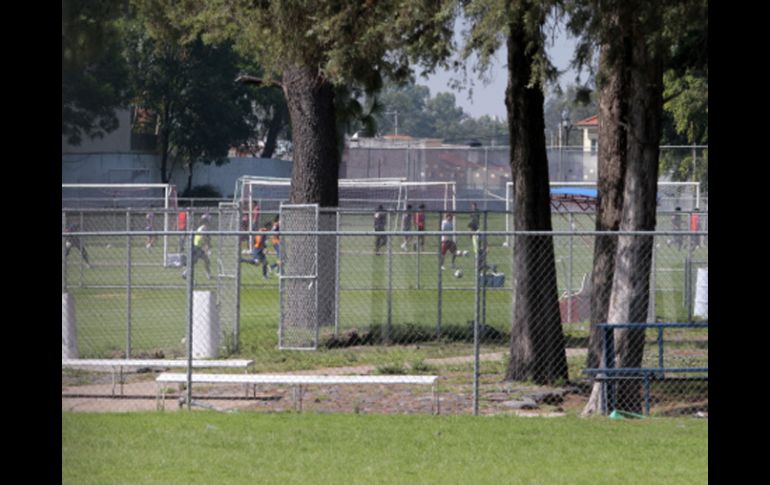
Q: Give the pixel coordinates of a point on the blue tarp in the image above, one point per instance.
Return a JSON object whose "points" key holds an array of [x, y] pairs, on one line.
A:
{"points": [[575, 191]]}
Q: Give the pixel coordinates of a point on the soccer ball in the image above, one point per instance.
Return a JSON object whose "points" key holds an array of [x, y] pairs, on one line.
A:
{"points": [[68, 244], [458, 273], [465, 253]]}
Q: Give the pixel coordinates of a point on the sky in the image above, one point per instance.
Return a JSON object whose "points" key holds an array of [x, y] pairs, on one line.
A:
{"points": [[488, 99]]}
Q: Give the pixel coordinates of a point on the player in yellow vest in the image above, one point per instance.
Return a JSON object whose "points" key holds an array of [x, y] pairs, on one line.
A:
{"points": [[201, 246]]}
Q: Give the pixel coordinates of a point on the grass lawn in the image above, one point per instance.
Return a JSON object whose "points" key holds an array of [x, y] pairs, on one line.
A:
{"points": [[205, 447]]}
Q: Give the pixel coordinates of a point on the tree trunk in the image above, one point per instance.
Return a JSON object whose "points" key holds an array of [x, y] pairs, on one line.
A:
{"points": [[631, 283], [310, 101], [537, 341], [613, 120], [273, 128], [165, 176], [189, 177]]}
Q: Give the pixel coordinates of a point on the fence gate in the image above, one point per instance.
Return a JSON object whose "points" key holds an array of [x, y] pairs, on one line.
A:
{"points": [[227, 249], [298, 278]]}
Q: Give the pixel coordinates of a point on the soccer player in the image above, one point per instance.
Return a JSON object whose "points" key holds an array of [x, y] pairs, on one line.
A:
{"points": [[447, 240], [276, 240], [406, 225], [201, 246], [676, 224], [181, 225], [150, 226], [258, 250], [244, 226], [380, 220], [419, 222], [75, 242]]}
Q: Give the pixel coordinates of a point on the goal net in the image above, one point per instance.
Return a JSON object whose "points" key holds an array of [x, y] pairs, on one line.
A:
{"points": [[362, 194], [121, 207], [569, 197]]}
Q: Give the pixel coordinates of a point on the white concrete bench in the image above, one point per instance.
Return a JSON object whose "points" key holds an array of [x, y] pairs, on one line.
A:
{"points": [[298, 381], [117, 365]]}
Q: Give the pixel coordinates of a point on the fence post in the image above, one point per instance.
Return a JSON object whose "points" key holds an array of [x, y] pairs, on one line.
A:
{"points": [[390, 289], [483, 242], [652, 304], [609, 363], [128, 284], [237, 258], [476, 317], [190, 285], [64, 253], [569, 268], [81, 227], [337, 277], [439, 287]]}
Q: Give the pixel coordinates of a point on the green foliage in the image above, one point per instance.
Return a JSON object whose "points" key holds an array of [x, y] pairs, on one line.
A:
{"points": [[490, 25], [93, 70], [350, 42], [687, 101], [202, 191], [423, 116], [188, 90], [391, 369]]}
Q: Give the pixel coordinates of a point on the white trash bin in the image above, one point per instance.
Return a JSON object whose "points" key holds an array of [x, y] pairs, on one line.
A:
{"points": [[206, 334], [702, 293], [69, 334]]}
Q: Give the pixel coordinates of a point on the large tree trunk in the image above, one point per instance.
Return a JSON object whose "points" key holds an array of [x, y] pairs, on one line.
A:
{"points": [[310, 101], [631, 283], [165, 131], [635, 106], [537, 341], [273, 128], [613, 121]]}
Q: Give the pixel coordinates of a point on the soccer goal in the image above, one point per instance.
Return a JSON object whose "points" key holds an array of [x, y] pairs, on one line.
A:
{"points": [[105, 205], [576, 196], [365, 194]]}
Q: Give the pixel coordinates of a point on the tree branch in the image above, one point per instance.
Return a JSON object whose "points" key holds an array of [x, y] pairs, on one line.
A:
{"points": [[256, 81]]}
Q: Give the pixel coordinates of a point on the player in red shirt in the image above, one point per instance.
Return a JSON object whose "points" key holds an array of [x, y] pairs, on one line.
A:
{"points": [[181, 225], [419, 222]]}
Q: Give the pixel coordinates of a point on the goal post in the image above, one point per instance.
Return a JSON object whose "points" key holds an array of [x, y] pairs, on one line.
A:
{"points": [[685, 195], [391, 193], [128, 197]]}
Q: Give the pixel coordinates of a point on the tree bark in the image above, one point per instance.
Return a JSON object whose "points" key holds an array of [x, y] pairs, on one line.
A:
{"points": [[273, 128], [613, 122], [631, 283], [537, 341], [165, 130], [310, 101]]}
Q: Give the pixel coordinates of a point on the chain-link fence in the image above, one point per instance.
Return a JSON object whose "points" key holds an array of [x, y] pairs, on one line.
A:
{"points": [[481, 173], [325, 313]]}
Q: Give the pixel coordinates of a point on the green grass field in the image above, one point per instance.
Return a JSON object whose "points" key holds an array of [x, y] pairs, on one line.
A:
{"points": [[205, 447]]}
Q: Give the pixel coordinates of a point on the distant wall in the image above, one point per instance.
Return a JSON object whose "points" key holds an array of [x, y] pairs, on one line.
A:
{"points": [[84, 168], [224, 176]]}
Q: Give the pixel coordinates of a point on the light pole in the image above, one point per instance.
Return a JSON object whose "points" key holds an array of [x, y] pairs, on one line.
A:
{"points": [[564, 125], [395, 113]]}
